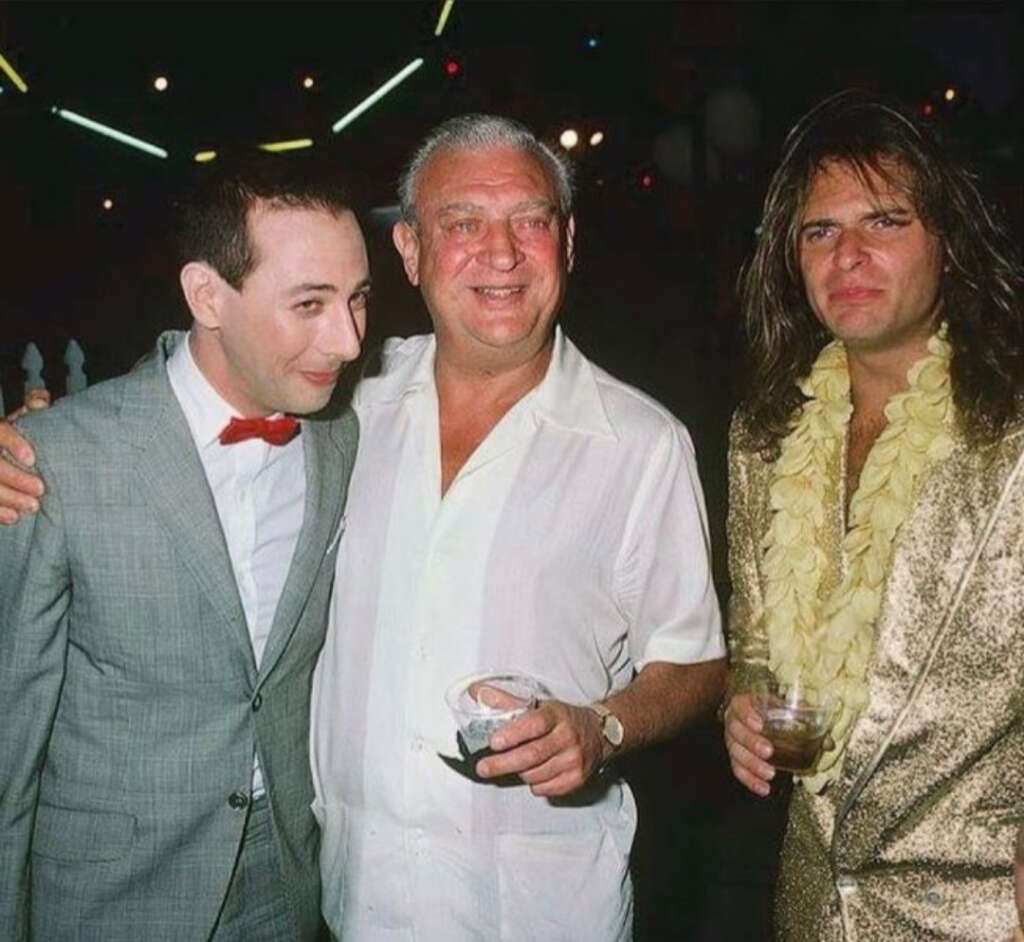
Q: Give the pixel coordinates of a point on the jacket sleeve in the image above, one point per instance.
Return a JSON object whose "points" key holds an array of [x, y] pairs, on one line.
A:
{"points": [[35, 593], [748, 643]]}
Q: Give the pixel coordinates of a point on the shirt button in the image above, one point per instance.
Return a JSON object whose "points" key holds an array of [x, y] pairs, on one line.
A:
{"points": [[846, 884], [257, 702], [238, 800], [933, 898]]}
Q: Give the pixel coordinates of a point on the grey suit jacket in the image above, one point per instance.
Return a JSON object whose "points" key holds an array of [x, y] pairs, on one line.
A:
{"points": [[130, 702]]}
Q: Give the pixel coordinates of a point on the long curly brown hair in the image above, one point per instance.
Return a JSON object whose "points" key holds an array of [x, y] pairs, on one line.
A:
{"points": [[981, 289]]}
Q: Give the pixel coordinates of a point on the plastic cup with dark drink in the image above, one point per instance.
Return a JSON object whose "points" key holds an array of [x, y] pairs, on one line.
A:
{"points": [[483, 703], [796, 719]]}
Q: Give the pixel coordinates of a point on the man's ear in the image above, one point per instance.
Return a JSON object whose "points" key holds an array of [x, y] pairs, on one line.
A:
{"points": [[408, 245], [203, 289], [570, 241]]}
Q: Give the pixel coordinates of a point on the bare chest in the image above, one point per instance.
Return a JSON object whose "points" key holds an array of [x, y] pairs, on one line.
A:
{"points": [[860, 437], [461, 435]]}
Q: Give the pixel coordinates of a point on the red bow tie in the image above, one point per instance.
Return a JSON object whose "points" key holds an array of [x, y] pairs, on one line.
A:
{"points": [[278, 431]]}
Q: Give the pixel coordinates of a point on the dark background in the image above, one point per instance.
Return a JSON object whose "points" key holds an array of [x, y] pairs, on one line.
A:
{"points": [[693, 99]]}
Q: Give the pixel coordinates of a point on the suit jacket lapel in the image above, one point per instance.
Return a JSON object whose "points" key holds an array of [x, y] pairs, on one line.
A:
{"points": [[329, 456], [167, 462], [930, 562]]}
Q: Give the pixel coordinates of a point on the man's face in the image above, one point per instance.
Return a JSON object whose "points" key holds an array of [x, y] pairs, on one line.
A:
{"points": [[489, 254], [300, 314], [870, 268]]}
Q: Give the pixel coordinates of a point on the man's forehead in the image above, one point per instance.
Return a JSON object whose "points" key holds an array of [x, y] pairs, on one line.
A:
{"points": [[878, 177], [455, 175]]}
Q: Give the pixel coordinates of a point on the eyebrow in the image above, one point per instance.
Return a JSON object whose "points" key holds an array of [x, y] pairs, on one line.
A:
{"points": [[879, 213], [470, 207], [311, 286]]}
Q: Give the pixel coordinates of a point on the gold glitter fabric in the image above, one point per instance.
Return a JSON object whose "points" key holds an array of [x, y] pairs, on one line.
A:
{"points": [[915, 839]]}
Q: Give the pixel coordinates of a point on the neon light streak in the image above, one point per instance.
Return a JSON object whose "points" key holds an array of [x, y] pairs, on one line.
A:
{"points": [[19, 82], [372, 99], [110, 132], [443, 18], [276, 147], [205, 156]]}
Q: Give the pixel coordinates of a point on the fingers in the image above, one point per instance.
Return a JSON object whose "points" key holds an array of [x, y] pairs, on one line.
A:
{"points": [[748, 749], [530, 726], [36, 399], [495, 697], [13, 441], [17, 501], [552, 749]]}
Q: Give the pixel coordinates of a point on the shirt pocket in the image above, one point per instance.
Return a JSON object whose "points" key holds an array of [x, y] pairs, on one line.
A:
{"points": [[555, 887], [76, 835]]}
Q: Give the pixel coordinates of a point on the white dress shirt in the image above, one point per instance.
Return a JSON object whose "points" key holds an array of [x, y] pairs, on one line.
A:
{"points": [[572, 545], [259, 491]]}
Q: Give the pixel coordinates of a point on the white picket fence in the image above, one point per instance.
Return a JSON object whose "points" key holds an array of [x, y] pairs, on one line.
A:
{"points": [[33, 365]]}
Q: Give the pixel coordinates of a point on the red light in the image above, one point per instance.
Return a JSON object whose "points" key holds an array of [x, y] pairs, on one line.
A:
{"points": [[646, 181], [452, 68], [928, 109]]}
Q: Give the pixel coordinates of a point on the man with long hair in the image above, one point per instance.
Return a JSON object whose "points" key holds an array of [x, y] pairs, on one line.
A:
{"points": [[876, 529]]}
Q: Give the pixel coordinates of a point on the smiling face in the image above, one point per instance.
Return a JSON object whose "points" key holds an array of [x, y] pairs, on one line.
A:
{"points": [[279, 343], [870, 268], [489, 254]]}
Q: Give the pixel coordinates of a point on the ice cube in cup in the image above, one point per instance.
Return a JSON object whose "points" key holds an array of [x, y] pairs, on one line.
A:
{"points": [[483, 703]]}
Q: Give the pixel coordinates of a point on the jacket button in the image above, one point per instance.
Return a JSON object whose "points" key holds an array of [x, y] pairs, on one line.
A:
{"points": [[257, 702], [238, 800], [846, 884]]}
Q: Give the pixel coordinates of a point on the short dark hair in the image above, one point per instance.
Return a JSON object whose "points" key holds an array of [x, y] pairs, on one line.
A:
{"points": [[981, 289], [212, 216]]}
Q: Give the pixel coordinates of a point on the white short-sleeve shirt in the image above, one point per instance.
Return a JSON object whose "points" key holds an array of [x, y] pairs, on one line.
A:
{"points": [[572, 545]]}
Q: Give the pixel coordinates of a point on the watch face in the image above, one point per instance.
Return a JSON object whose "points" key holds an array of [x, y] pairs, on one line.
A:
{"points": [[613, 730]]}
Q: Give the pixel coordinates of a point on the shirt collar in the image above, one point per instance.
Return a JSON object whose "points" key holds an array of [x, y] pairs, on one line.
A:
{"points": [[206, 411], [568, 396]]}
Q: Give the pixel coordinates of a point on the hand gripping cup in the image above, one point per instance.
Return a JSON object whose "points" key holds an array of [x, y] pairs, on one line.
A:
{"points": [[796, 717], [483, 703]]}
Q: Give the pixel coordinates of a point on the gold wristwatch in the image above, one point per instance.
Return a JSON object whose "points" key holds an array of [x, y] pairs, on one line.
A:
{"points": [[611, 726]]}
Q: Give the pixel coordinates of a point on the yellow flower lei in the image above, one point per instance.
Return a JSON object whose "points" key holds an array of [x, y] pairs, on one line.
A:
{"points": [[828, 641]]}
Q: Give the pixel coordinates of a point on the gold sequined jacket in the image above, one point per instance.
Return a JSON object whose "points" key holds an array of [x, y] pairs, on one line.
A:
{"points": [[915, 839]]}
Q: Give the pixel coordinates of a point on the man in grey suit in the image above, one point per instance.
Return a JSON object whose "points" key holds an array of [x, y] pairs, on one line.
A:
{"points": [[161, 615]]}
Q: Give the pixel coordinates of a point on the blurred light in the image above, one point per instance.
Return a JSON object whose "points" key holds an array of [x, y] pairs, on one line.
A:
{"points": [[373, 98], [928, 109], [276, 147], [446, 9], [160, 83], [110, 132], [593, 42], [108, 203], [205, 156], [569, 139], [452, 68], [308, 82], [19, 83], [647, 180], [950, 93], [596, 138]]}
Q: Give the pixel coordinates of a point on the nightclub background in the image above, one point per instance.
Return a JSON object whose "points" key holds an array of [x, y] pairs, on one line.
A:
{"points": [[678, 110]]}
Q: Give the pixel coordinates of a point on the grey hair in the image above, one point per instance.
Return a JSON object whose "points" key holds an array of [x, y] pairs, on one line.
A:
{"points": [[483, 132]]}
